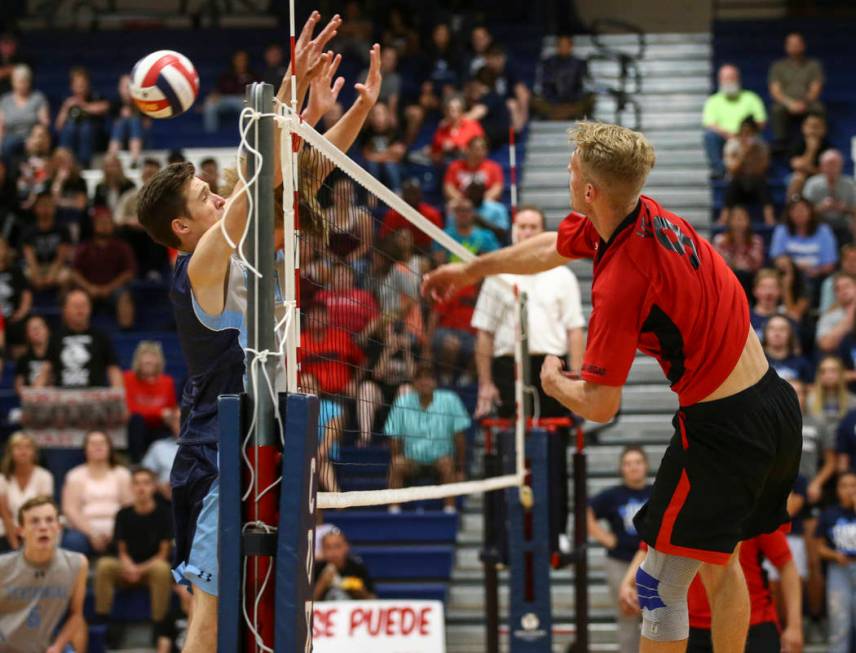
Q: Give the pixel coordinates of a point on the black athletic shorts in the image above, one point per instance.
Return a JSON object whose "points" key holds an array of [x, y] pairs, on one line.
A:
{"points": [[762, 638], [726, 474]]}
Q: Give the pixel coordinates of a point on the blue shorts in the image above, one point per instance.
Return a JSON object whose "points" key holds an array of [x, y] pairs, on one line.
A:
{"points": [[194, 481]]}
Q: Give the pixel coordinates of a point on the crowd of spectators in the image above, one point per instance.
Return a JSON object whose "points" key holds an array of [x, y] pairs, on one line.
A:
{"points": [[798, 270]]}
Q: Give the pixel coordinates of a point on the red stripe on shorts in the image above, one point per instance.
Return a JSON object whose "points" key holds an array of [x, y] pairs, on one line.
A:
{"points": [[679, 498]]}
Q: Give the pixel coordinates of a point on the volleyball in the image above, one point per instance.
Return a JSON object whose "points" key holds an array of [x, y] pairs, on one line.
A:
{"points": [[164, 84]]}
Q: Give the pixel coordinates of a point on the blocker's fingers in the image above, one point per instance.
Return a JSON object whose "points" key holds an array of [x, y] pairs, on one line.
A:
{"points": [[329, 31], [308, 28]]}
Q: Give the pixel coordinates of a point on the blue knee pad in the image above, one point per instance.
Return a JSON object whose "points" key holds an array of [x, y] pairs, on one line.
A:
{"points": [[662, 582]]}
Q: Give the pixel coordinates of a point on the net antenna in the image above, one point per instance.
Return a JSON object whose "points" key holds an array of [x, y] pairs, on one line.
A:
{"points": [[298, 133]]}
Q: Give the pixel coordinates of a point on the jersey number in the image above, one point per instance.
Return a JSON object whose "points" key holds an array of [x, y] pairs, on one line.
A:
{"points": [[673, 239]]}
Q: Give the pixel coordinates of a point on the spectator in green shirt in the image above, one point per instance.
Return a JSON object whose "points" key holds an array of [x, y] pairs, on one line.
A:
{"points": [[724, 112], [795, 86], [426, 429]]}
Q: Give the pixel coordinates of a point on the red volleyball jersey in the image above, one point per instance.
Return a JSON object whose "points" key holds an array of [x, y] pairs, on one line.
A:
{"points": [[773, 547], [661, 288]]}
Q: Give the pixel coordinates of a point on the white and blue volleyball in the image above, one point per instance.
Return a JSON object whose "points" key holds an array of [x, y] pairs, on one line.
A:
{"points": [[164, 84]]}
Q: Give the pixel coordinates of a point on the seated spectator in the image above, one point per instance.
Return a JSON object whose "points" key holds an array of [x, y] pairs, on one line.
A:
{"points": [[847, 258], [330, 355], [391, 364], [81, 355], [9, 204], [47, 247], [454, 132], [474, 167], [20, 110], [29, 367], [354, 35], [742, 249], [427, 430], [339, 576], [330, 427], [161, 453], [351, 233], [31, 168], [150, 256], [21, 479], [490, 215], [104, 267], [818, 463], [42, 620], [617, 506], [79, 121], [150, 395], [464, 230], [69, 190], [396, 285], [833, 195], [488, 107], [411, 192], [209, 172], [836, 541], [92, 495], [114, 185], [746, 161], [767, 292], [9, 58], [828, 399], [453, 337], [382, 147], [129, 125], [795, 86], [809, 243], [724, 113], [560, 92], [275, 66], [783, 350], [838, 320], [509, 85], [805, 152], [480, 40], [228, 96], [349, 308], [16, 300], [795, 289], [142, 540], [444, 60]]}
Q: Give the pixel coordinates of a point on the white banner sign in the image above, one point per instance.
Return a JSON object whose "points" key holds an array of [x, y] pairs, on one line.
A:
{"points": [[378, 627], [58, 417]]}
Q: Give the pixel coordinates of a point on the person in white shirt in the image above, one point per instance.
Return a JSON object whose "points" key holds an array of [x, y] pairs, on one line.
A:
{"points": [[21, 479], [556, 322]]}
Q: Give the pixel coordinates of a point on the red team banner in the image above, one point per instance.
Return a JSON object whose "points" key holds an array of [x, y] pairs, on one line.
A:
{"points": [[378, 627]]}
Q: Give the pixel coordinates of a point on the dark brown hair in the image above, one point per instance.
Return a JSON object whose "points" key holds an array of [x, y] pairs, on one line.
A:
{"points": [[35, 502], [162, 200]]}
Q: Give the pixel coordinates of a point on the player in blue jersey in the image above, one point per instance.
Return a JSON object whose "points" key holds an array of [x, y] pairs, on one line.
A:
{"points": [[208, 293]]}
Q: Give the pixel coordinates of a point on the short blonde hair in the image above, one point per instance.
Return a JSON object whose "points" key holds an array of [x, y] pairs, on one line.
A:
{"points": [[148, 347], [615, 157]]}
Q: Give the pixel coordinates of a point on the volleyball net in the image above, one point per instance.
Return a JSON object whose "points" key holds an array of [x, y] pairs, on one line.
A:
{"points": [[395, 371]]}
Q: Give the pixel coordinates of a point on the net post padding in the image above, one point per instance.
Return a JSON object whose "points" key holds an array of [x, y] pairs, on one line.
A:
{"points": [[292, 125], [296, 533], [290, 258]]}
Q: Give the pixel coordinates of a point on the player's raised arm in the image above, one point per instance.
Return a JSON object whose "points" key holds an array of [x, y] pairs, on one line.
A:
{"points": [[530, 256]]}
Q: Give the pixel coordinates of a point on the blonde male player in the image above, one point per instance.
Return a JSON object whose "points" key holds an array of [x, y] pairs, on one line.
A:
{"points": [[659, 287], [208, 297]]}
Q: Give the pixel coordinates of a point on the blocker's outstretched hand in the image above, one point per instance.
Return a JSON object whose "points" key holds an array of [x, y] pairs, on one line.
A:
{"points": [[307, 55], [323, 90], [370, 90]]}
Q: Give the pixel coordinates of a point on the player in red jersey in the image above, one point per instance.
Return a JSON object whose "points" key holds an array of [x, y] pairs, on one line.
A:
{"points": [[659, 287]]}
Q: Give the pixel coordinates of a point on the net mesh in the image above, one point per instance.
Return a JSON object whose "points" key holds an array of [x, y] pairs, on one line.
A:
{"points": [[395, 371]]}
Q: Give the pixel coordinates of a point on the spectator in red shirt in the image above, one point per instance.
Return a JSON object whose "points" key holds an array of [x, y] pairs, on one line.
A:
{"points": [[104, 266], [475, 167], [411, 192], [454, 131], [348, 308], [229, 94], [150, 395], [452, 336], [329, 354]]}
